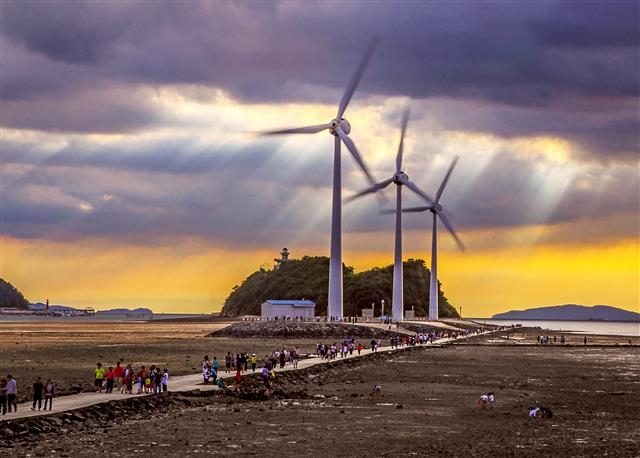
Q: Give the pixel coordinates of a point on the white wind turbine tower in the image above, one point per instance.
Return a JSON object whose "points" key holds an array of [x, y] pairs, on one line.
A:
{"points": [[400, 178], [437, 211], [340, 128]]}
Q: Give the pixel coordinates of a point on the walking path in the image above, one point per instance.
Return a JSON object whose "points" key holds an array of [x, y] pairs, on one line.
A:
{"points": [[181, 383]]}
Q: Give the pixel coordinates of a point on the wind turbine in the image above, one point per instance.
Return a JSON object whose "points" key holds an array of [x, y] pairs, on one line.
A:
{"points": [[437, 211], [400, 178], [340, 128]]}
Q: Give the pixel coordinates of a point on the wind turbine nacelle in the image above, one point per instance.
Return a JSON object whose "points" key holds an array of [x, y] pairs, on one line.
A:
{"points": [[342, 123], [400, 175]]}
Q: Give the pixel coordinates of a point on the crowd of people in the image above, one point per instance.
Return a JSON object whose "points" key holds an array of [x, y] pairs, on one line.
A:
{"points": [[126, 380], [243, 362], [548, 340]]}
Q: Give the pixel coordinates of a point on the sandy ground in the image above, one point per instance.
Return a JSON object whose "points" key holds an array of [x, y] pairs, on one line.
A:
{"points": [[428, 407]]}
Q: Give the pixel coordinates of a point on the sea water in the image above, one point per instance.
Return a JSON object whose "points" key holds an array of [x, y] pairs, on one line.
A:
{"points": [[610, 328]]}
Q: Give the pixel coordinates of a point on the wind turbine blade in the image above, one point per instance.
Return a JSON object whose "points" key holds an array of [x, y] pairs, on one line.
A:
{"points": [[405, 121], [353, 84], [446, 178], [299, 130], [417, 190], [387, 212], [449, 227], [374, 188], [356, 155], [416, 209]]}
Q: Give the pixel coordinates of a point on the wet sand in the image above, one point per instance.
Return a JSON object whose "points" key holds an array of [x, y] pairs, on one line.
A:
{"points": [[428, 404]]}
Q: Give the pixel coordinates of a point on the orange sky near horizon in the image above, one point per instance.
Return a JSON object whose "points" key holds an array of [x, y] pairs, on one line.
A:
{"points": [[197, 278]]}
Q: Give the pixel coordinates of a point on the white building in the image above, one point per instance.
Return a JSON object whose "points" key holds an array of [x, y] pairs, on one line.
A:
{"points": [[288, 308]]}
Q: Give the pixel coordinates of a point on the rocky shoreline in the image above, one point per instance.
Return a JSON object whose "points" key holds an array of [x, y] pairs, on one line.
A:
{"points": [[302, 330], [291, 329]]}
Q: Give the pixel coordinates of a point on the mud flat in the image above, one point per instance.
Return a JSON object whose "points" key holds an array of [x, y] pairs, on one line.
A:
{"points": [[427, 407]]}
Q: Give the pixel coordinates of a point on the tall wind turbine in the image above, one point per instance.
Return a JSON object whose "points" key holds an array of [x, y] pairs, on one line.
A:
{"points": [[437, 211], [400, 178], [340, 128]]}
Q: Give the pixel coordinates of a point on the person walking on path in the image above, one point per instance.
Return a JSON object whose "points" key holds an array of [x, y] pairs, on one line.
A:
{"points": [[238, 379], [3, 396], [48, 394], [127, 380], [206, 369], [118, 374], [38, 388], [111, 375], [215, 365], [12, 393], [157, 382], [165, 381], [99, 376]]}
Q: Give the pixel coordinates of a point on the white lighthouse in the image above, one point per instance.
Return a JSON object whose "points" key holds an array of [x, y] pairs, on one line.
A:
{"points": [[284, 258]]}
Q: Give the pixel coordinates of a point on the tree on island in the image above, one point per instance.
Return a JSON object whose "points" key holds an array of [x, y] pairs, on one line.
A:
{"points": [[10, 297], [308, 278]]}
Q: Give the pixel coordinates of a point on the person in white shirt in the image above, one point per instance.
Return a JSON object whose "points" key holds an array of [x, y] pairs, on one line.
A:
{"points": [[165, 381], [12, 393], [482, 403]]}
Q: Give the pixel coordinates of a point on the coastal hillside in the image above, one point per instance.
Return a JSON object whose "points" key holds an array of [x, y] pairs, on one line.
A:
{"points": [[307, 278], [571, 312], [10, 296]]}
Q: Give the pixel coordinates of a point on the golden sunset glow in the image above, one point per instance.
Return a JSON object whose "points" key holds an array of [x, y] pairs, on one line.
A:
{"points": [[197, 278]]}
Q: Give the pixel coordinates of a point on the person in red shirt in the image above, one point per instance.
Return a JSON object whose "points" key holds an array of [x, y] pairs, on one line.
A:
{"points": [[238, 378], [110, 376], [118, 374]]}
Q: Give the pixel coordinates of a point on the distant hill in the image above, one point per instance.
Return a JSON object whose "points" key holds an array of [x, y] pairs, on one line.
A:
{"points": [[308, 278], [40, 306], [10, 297], [571, 312], [120, 311]]}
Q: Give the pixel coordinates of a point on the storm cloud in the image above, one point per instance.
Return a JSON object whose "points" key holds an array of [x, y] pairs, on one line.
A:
{"points": [[100, 145], [556, 61]]}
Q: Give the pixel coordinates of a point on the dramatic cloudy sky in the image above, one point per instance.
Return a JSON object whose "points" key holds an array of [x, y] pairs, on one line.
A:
{"points": [[130, 176]]}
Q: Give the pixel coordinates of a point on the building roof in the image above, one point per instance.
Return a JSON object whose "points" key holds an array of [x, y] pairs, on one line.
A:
{"points": [[294, 303]]}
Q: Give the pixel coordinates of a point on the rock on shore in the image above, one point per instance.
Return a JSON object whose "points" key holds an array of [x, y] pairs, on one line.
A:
{"points": [[301, 330]]}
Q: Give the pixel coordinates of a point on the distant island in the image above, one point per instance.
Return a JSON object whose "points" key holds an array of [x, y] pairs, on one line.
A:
{"points": [[13, 302], [571, 312]]}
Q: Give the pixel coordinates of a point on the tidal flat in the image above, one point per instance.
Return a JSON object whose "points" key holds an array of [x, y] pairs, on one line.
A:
{"points": [[428, 405]]}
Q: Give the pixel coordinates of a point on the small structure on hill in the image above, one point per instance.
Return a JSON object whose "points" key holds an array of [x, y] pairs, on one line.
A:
{"points": [[293, 309], [284, 258], [367, 314]]}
